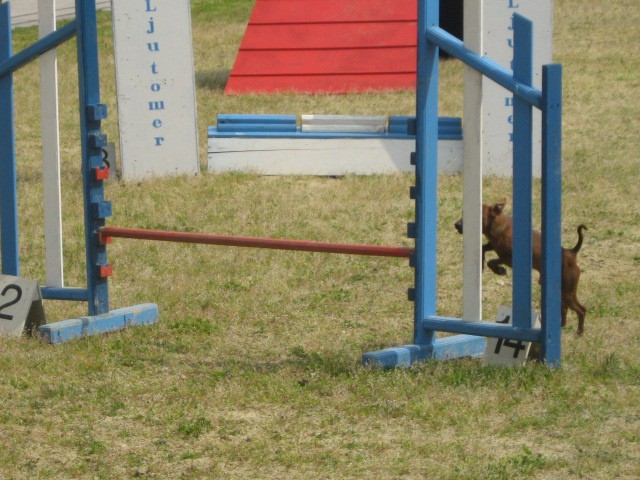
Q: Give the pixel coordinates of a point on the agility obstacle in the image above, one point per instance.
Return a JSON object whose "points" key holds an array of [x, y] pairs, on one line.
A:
{"points": [[312, 46], [471, 341], [549, 101], [94, 172]]}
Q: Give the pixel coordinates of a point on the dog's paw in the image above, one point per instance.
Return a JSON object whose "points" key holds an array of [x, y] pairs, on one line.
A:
{"points": [[496, 268]]}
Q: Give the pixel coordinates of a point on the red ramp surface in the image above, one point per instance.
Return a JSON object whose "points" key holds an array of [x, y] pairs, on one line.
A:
{"points": [[327, 46]]}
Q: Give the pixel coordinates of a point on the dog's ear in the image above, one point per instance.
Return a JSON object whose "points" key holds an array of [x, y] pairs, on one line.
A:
{"points": [[499, 206]]}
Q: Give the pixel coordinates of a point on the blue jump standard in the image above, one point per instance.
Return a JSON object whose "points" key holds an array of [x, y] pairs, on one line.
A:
{"points": [[81, 327]]}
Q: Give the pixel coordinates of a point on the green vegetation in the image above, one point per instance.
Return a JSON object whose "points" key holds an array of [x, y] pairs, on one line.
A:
{"points": [[253, 370]]}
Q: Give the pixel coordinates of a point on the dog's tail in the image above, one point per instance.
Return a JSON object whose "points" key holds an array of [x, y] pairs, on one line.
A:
{"points": [[576, 249]]}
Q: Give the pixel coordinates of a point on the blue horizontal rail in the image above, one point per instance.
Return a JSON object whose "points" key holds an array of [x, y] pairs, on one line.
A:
{"points": [[241, 119], [65, 293], [284, 126], [256, 123], [483, 329], [36, 49], [488, 68], [257, 127]]}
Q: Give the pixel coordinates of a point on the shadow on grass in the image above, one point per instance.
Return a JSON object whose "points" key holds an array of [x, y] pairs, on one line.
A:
{"points": [[330, 364], [213, 80], [464, 372]]}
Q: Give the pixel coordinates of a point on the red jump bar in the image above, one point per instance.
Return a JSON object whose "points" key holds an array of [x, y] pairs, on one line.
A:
{"points": [[255, 242]]}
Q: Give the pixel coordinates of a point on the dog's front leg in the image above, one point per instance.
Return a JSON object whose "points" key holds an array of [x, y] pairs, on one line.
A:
{"points": [[487, 247]]}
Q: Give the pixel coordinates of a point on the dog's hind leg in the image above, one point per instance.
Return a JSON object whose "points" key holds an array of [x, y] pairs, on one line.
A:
{"points": [[581, 312], [496, 266]]}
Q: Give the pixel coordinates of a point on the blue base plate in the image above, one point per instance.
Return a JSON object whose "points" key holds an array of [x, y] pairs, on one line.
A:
{"points": [[66, 330], [448, 348]]}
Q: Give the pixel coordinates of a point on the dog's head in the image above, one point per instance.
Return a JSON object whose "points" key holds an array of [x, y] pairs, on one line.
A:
{"points": [[489, 214]]}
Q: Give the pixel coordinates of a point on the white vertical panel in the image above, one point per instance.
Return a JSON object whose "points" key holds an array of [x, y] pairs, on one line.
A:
{"points": [[50, 150], [497, 101], [472, 170], [156, 88]]}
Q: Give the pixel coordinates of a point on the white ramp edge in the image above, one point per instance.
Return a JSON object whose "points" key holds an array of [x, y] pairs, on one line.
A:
{"points": [[324, 157]]}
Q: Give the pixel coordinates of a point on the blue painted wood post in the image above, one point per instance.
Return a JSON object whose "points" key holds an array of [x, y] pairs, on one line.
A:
{"points": [[551, 213], [8, 184], [96, 209], [522, 172], [426, 174]]}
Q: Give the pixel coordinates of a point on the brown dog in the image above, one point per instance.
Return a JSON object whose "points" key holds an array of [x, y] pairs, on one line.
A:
{"points": [[498, 229]]}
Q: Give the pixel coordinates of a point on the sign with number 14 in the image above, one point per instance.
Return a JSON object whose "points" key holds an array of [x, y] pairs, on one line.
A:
{"points": [[503, 351]]}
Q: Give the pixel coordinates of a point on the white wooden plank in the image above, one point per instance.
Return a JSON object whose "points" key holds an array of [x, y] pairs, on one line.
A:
{"points": [[50, 150], [286, 156], [472, 172], [344, 123]]}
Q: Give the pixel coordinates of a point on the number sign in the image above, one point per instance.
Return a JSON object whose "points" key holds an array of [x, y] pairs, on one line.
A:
{"points": [[503, 351], [20, 304]]}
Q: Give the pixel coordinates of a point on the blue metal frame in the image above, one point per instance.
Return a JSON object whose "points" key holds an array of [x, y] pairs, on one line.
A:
{"points": [[551, 212], [91, 114], [51, 41], [96, 208], [522, 168], [549, 101], [426, 231], [425, 228], [8, 190]]}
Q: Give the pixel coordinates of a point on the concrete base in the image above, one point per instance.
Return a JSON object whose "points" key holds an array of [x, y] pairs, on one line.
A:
{"points": [[66, 330]]}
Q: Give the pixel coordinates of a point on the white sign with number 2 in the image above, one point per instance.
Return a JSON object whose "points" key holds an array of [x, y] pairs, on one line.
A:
{"points": [[16, 298]]}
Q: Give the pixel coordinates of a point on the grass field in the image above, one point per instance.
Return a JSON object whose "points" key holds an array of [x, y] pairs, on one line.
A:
{"points": [[253, 369]]}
